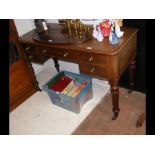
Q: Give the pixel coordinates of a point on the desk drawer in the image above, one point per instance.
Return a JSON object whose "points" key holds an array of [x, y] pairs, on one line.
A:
{"points": [[34, 54], [29, 52], [28, 49], [62, 53], [93, 58], [93, 70]]}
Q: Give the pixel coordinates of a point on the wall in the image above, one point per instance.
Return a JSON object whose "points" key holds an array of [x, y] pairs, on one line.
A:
{"points": [[140, 78], [25, 25]]}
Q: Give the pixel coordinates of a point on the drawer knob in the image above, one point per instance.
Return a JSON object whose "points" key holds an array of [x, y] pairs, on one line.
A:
{"points": [[91, 59], [44, 51], [92, 70], [31, 56], [27, 48], [65, 55]]}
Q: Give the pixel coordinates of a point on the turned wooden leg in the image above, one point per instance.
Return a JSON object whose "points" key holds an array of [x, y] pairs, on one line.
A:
{"points": [[115, 98], [132, 75], [33, 75], [141, 120], [56, 64]]}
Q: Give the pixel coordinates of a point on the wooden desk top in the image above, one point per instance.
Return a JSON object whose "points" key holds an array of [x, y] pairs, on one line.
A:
{"points": [[97, 47]]}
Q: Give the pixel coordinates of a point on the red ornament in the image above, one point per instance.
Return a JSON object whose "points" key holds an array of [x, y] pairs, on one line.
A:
{"points": [[105, 28]]}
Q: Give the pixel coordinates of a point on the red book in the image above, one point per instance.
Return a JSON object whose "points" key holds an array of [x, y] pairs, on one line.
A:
{"points": [[61, 83]]}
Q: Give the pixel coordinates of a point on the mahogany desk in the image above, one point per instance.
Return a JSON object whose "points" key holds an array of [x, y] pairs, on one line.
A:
{"points": [[98, 59]]}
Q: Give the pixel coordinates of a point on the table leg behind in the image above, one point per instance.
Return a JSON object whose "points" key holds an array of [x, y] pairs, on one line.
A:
{"points": [[56, 64], [132, 75]]}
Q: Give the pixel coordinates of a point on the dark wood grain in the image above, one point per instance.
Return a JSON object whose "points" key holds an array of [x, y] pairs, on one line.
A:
{"points": [[21, 83]]}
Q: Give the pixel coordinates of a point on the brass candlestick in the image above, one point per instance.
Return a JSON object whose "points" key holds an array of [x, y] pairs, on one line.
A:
{"points": [[75, 26]]}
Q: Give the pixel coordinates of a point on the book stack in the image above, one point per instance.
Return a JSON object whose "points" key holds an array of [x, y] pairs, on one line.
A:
{"points": [[66, 85]]}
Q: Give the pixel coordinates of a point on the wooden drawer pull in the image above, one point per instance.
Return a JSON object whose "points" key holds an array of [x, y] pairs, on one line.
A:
{"points": [[66, 54], [27, 48], [44, 51], [92, 70], [91, 59]]}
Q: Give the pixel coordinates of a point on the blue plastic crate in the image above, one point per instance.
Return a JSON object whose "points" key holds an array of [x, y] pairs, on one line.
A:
{"points": [[73, 104]]}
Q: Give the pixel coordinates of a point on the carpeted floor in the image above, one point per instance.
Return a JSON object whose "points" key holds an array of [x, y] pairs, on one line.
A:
{"points": [[99, 122], [37, 115]]}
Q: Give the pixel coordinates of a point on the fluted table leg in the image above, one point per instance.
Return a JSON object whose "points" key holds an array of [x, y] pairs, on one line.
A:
{"points": [[115, 98]]}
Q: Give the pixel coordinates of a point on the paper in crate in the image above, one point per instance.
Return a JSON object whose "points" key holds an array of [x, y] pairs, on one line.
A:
{"points": [[69, 90]]}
